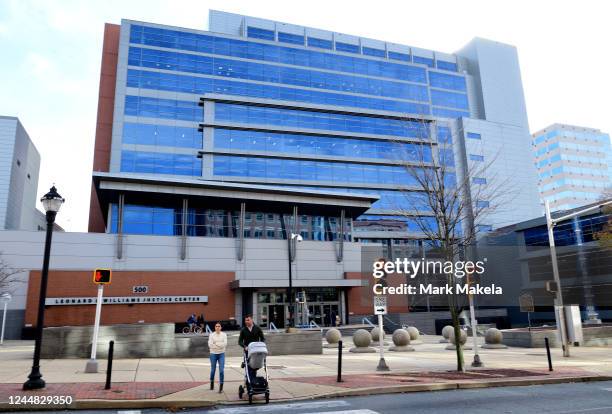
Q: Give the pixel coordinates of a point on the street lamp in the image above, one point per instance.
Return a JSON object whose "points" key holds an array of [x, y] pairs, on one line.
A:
{"points": [[51, 202], [6, 298], [298, 238]]}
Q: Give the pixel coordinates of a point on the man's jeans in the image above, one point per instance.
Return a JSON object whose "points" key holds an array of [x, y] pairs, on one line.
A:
{"points": [[213, 366]]}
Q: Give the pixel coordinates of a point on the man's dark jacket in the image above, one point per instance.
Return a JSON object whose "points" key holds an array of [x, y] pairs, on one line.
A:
{"points": [[254, 335]]}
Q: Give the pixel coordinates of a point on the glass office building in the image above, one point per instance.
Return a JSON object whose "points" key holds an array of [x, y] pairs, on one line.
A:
{"points": [[260, 102], [574, 165]]}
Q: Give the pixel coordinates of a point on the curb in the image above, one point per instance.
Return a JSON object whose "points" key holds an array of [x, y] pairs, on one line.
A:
{"points": [[394, 389]]}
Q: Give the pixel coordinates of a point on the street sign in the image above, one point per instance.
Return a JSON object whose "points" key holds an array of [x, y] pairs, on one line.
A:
{"points": [[526, 302], [102, 276], [380, 305]]}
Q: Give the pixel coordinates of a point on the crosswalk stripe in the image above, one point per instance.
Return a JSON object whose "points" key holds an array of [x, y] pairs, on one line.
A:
{"points": [[283, 407]]}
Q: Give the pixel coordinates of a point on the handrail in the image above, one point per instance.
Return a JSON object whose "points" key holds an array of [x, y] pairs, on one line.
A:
{"points": [[368, 322], [313, 324], [272, 327], [208, 330]]}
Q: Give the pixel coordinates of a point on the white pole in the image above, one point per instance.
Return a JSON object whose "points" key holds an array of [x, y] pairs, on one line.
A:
{"points": [[3, 322], [382, 365], [92, 364], [559, 297], [476, 362]]}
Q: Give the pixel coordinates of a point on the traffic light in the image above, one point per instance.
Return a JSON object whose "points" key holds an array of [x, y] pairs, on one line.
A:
{"points": [[102, 276]]}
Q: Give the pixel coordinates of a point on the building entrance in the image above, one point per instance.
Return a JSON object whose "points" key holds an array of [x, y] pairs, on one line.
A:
{"points": [[320, 305]]}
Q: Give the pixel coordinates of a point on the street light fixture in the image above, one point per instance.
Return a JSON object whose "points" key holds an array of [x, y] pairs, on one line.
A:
{"points": [[298, 238], [6, 298], [52, 202]]}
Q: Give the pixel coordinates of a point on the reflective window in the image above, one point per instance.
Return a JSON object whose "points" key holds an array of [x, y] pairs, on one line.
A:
{"points": [[473, 135], [346, 47], [444, 135], [482, 204], [319, 120], [161, 135], [449, 113], [368, 223], [290, 38], [200, 85], [160, 163], [423, 60], [154, 220], [441, 64], [450, 99], [483, 228], [258, 33], [275, 74], [370, 51], [404, 57], [446, 157], [162, 108], [271, 142], [273, 53], [447, 81], [479, 180], [320, 43], [474, 157], [275, 168]]}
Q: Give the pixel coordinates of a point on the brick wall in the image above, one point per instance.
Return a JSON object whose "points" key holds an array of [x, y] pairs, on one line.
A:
{"points": [[104, 122], [361, 299], [79, 283]]}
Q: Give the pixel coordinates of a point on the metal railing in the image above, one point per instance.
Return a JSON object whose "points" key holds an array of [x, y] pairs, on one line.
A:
{"points": [[366, 321], [272, 328]]}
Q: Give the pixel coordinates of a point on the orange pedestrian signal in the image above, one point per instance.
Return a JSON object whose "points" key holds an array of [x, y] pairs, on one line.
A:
{"points": [[102, 276]]}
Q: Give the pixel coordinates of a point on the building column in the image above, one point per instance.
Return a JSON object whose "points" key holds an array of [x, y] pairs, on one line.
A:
{"points": [[119, 238]]}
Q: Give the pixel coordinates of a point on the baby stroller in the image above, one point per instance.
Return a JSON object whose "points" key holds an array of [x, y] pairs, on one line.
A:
{"points": [[255, 358]]}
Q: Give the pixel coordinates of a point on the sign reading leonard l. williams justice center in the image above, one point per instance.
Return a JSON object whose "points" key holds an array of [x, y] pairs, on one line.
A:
{"points": [[126, 300]]}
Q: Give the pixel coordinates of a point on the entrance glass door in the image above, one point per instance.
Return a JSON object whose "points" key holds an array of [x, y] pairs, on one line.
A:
{"points": [[276, 315]]}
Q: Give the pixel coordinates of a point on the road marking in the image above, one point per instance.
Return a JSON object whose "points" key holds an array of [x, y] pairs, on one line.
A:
{"points": [[362, 411], [129, 412], [283, 407]]}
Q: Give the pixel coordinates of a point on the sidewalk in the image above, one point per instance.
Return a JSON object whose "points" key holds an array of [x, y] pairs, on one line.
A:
{"points": [[184, 382]]}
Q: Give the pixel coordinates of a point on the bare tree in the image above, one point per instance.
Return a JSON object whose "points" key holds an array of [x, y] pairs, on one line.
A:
{"points": [[447, 199], [8, 277], [604, 236]]}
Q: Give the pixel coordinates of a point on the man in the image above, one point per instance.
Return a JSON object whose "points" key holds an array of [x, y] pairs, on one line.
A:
{"points": [[250, 333], [191, 321]]}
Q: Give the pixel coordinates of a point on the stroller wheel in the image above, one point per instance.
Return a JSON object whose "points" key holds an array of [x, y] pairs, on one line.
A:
{"points": [[267, 397], [240, 391], [250, 398]]}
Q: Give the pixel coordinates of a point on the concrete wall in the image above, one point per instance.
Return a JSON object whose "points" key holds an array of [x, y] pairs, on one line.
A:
{"points": [[159, 340]]}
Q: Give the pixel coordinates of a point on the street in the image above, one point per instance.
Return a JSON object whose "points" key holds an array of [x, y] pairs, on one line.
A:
{"points": [[589, 398]]}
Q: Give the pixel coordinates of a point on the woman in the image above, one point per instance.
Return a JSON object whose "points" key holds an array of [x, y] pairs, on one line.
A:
{"points": [[217, 342]]}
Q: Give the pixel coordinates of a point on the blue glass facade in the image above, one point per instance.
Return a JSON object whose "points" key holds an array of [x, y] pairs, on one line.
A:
{"points": [[349, 148]]}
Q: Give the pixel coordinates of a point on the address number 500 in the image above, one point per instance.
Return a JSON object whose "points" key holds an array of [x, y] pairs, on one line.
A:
{"points": [[140, 289]]}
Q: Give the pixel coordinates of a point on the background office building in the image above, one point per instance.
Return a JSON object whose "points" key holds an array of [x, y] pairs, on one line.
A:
{"points": [[19, 167], [574, 165]]}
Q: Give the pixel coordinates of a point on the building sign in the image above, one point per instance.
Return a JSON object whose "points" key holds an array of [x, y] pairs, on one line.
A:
{"points": [[140, 289], [126, 300]]}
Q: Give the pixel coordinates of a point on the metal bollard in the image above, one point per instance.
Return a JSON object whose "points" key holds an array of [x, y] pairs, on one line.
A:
{"points": [[550, 368], [109, 365], [339, 361]]}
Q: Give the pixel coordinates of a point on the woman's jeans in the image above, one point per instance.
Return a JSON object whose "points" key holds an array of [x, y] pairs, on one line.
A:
{"points": [[213, 366]]}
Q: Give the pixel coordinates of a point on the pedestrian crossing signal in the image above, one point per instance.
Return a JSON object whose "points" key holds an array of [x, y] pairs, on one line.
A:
{"points": [[102, 276]]}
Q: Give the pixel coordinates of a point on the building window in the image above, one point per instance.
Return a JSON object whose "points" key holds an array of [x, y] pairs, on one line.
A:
{"points": [[290, 38], [320, 43], [404, 57], [346, 47], [423, 60], [370, 51], [482, 204], [258, 33], [482, 228], [474, 135], [474, 157], [479, 180], [446, 65]]}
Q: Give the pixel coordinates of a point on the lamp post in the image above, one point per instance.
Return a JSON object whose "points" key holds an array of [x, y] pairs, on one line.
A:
{"points": [[51, 202], [6, 298], [297, 238]]}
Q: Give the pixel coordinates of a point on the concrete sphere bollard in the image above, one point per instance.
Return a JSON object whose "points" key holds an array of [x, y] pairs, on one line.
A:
{"points": [[493, 339], [362, 340], [445, 333], [414, 335], [332, 336], [375, 332], [401, 341], [462, 340]]}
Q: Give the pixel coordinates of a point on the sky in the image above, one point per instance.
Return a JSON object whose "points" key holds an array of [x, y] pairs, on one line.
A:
{"points": [[50, 55]]}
